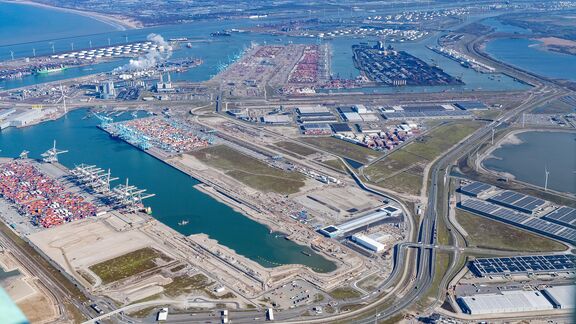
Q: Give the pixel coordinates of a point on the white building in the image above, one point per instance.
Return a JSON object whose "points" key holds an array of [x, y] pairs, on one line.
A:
{"points": [[563, 297], [368, 243], [505, 302]]}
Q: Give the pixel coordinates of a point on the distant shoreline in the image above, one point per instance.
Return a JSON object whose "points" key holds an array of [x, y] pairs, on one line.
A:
{"points": [[118, 22]]}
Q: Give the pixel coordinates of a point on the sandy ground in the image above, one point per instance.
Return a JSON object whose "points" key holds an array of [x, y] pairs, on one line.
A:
{"points": [[27, 292], [547, 41], [80, 244], [118, 22]]}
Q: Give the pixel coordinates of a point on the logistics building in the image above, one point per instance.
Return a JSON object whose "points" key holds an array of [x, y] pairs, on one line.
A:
{"points": [[505, 302], [368, 242], [351, 226], [562, 297], [523, 265]]}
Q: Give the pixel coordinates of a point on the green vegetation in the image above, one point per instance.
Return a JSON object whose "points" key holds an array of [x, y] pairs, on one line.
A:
{"points": [[178, 268], [554, 107], [250, 171], [127, 265], [318, 298], [335, 164], [86, 276], [344, 293], [352, 307], [490, 234], [296, 148], [402, 170], [142, 313], [370, 283], [343, 149], [184, 285]]}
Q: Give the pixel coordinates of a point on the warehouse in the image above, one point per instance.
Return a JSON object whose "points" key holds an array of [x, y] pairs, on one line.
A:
{"points": [[351, 117], [349, 227], [277, 119], [341, 128], [313, 111], [537, 225], [471, 105], [523, 265], [561, 297], [368, 243], [474, 189], [505, 302], [515, 200]]}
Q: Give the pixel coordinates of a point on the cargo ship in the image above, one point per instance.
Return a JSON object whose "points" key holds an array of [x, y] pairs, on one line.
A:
{"points": [[47, 70], [220, 34]]}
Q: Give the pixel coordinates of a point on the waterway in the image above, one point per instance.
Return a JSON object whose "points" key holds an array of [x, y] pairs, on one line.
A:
{"points": [[216, 51], [528, 54], [175, 199], [535, 152]]}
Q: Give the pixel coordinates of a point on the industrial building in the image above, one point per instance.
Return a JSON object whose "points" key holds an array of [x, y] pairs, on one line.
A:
{"points": [[515, 200], [424, 111], [471, 105], [523, 265], [475, 188], [312, 111], [561, 297], [505, 302], [276, 119], [368, 242], [565, 216], [341, 128], [107, 90], [25, 117], [349, 227], [536, 225]]}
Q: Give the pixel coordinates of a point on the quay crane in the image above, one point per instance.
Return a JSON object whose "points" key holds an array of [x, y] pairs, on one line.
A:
{"points": [[93, 177], [51, 156], [130, 197]]}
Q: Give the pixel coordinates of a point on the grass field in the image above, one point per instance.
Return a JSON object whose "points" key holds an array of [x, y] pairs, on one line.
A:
{"points": [[295, 148], [487, 233], [250, 171], [344, 293], [402, 170], [336, 164], [185, 284], [127, 265], [343, 149]]}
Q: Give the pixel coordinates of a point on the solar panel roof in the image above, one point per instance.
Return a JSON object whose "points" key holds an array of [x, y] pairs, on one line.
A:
{"points": [[475, 188], [524, 264], [564, 215]]}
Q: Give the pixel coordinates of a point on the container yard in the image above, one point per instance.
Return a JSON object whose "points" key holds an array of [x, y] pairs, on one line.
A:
{"points": [[166, 134], [46, 201], [289, 67], [398, 68]]}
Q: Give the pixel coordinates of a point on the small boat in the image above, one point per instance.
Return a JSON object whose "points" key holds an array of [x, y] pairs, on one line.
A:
{"points": [[183, 222], [306, 253], [189, 45]]}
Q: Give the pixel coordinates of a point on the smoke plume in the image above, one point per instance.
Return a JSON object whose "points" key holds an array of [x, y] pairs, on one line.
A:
{"points": [[152, 58]]}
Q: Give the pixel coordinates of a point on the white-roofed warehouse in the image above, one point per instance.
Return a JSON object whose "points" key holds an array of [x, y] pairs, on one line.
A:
{"points": [[505, 302], [563, 297]]}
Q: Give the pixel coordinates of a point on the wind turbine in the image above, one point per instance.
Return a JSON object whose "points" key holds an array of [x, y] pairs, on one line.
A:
{"points": [[546, 174], [63, 99]]}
